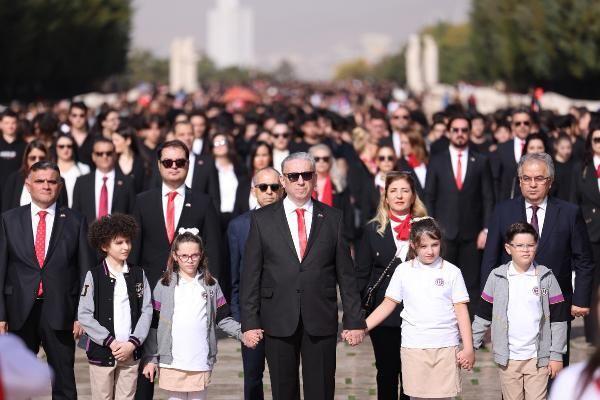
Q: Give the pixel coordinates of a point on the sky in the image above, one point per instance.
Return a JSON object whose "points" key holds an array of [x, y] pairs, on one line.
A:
{"points": [[315, 35]]}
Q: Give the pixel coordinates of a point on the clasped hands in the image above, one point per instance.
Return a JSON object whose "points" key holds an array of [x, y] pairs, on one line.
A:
{"points": [[252, 337], [466, 358], [122, 350], [353, 336]]}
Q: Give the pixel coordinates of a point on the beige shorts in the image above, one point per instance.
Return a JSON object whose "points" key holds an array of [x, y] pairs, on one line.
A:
{"points": [[430, 373], [177, 380]]}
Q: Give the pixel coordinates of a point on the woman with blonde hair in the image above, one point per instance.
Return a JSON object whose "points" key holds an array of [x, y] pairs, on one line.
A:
{"points": [[383, 246]]}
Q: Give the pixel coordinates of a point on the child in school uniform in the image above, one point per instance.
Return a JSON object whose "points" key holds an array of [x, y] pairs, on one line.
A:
{"points": [[188, 303], [523, 304], [115, 310], [434, 319]]}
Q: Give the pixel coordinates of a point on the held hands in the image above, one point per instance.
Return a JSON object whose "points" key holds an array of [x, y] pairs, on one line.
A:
{"points": [[149, 371], [252, 337], [3, 327], [554, 368], [579, 311], [122, 350], [77, 330], [353, 337], [466, 358]]}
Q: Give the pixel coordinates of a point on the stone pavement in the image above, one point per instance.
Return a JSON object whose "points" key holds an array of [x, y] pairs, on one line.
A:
{"points": [[355, 377]]}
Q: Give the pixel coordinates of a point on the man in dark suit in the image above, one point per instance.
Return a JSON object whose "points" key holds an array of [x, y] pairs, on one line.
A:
{"points": [[400, 121], [564, 244], [504, 160], [44, 257], [267, 190], [161, 212], [459, 194], [294, 257], [106, 190]]}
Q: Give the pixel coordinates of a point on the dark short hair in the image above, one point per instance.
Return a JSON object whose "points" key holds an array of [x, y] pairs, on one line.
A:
{"points": [[520, 227], [172, 143], [105, 229], [9, 113], [80, 105], [102, 139], [456, 117], [519, 110], [44, 165]]}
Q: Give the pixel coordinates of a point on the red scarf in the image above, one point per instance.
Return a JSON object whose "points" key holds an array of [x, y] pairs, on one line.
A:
{"points": [[413, 161], [327, 195], [403, 228]]}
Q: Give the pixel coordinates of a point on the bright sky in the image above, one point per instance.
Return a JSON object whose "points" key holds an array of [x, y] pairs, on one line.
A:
{"points": [[314, 34]]}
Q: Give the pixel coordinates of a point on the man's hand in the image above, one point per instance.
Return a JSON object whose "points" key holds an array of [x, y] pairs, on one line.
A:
{"points": [[252, 337], [481, 238], [554, 368], [149, 371], [77, 330], [353, 337], [124, 351], [579, 311], [3, 327]]}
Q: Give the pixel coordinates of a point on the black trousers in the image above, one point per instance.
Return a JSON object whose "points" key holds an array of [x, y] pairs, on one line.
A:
{"points": [[59, 347], [318, 365], [254, 368], [465, 255], [386, 346], [144, 389], [590, 330]]}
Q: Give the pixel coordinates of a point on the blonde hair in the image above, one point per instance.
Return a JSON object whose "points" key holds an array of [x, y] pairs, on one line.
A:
{"points": [[417, 209], [360, 138], [415, 138]]}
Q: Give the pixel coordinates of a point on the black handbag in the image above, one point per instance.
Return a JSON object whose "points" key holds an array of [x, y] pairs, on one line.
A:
{"points": [[368, 301]]}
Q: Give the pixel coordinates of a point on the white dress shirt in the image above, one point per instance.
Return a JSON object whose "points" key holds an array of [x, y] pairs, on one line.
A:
{"points": [[396, 144], [292, 219], [190, 174], [121, 307], [541, 213], [197, 146], [421, 173], [518, 148], [596, 164], [464, 161], [402, 246], [278, 157], [110, 185], [71, 176], [25, 197], [179, 199], [35, 220], [228, 184]]}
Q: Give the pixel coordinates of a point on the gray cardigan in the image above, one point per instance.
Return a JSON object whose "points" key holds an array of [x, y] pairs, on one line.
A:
{"points": [[158, 345], [552, 337]]}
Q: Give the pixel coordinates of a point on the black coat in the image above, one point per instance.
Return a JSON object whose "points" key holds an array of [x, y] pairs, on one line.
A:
{"points": [[584, 191], [504, 170]]}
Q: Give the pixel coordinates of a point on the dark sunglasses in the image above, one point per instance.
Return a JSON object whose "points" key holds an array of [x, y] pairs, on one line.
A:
{"points": [[77, 115], [294, 176], [281, 135], [179, 163], [596, 140], [457, 130], [104, 153], [404, 117], [36, 158], [324, 159], [264, 186], [519, 123], [385, 158], [64, 146]]}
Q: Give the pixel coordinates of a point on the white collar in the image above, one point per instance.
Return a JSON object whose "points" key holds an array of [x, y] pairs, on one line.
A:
{"points": [[110, 175], [437, 264], [464, 152], [290, 207], [166, 190], [542, 205], [512, 271], [125, 269], [596, 161], [35, 209]]}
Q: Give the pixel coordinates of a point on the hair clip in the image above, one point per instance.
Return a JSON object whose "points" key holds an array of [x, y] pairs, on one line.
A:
{"points": [[418, 219], [193, 231]]}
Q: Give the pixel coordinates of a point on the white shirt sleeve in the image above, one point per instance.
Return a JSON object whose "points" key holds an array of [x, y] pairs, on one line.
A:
{"points": [[394, 289], [459, 289]]}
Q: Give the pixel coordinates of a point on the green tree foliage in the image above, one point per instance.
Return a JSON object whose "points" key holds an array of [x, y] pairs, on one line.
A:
{"points": [[143, 66], [353, 69], [55, 48], [391, 68], [551, 43]]}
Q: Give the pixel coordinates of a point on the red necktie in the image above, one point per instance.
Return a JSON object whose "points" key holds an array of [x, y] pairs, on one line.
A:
{"points": [[171, 216], [598, 171], [103, 206], [301, 231], [459, 182], [522, 147], [40, 245]]}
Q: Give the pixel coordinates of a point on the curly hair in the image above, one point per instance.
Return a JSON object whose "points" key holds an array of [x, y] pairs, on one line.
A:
{"points": [[105, 229]]}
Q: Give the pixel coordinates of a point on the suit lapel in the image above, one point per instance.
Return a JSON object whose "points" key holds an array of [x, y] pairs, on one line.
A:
{"points": [[552, 211], [389, 242], [470, 167], [285, 228], [117, 189], [590, 181], [158, 214], [59, 222], [317, 222], [450, 171], [27, 236], [186, 211]]}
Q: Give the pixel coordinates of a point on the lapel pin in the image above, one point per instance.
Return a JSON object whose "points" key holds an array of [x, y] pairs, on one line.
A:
{"points": [[63, 216], [472, 159], [188, 205], [320, 215], [200, 162], [119, 183]]}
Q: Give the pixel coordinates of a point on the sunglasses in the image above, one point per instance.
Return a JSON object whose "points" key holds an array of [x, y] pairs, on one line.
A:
{"points": [[385, 158], [36, 158], [404, 117], [281, 135], [77, 115], [294, 176], [219, 143], [179, 163], [458, 130], [64, 146], [264, 186], [324, 159], [104, 153], [596, 140], [519, 123]]}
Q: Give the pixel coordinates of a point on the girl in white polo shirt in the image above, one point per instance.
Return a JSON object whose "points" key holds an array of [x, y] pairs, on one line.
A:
{"points": [[434, 318]]}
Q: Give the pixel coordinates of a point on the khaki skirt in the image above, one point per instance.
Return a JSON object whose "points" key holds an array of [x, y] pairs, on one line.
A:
{"points": [[430, 373], [176, 380]]}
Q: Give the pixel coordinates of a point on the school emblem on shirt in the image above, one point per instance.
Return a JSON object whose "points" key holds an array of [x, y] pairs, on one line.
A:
{"points": [[439, 282], [536, 291], [139, 289], [204, 295], [84, 290]]}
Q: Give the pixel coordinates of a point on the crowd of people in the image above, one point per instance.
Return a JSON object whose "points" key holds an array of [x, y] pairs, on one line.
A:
{"points": [[138, 228]]}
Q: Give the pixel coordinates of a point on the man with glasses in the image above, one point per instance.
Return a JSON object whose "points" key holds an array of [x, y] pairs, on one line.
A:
{"points": [[294, 258], [504, 161], [564, 244], [459, 195], [281, 142], [160, 212], [106, 190], [78, 128], [400, 121], [267, 190]]}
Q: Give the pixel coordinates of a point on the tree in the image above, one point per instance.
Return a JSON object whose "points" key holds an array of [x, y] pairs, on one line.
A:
{"points": [[354, 69], [391, 68], [143, 66], [284, 72], [61, 47]]}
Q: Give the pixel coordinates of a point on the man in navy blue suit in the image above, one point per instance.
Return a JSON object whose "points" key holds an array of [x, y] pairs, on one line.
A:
{"points": [[267, 190], [564, 244]]}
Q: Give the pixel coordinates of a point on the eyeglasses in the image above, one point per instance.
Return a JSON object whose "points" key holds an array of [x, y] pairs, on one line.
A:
{"points": [[459, 130], [264, 186], [188, 257], [324, 159], [294, 176], [596, 140], [179, 163], [536, 179], [404, 117], [77, 115], [385, 158], [104, 153], [519, 123], [281, 135], [219, 143], [64, 146], [36, 158], [51, 182], [523, 246]]}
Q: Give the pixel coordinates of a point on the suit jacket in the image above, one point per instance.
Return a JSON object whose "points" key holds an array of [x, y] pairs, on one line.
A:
{"points": [[13, 187], [84, 195], [151, 246], [564, 246], [504, 170], [237, 235], [138, 175], [584, 191], [462, 214], [68, 259], [277, 290]]}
